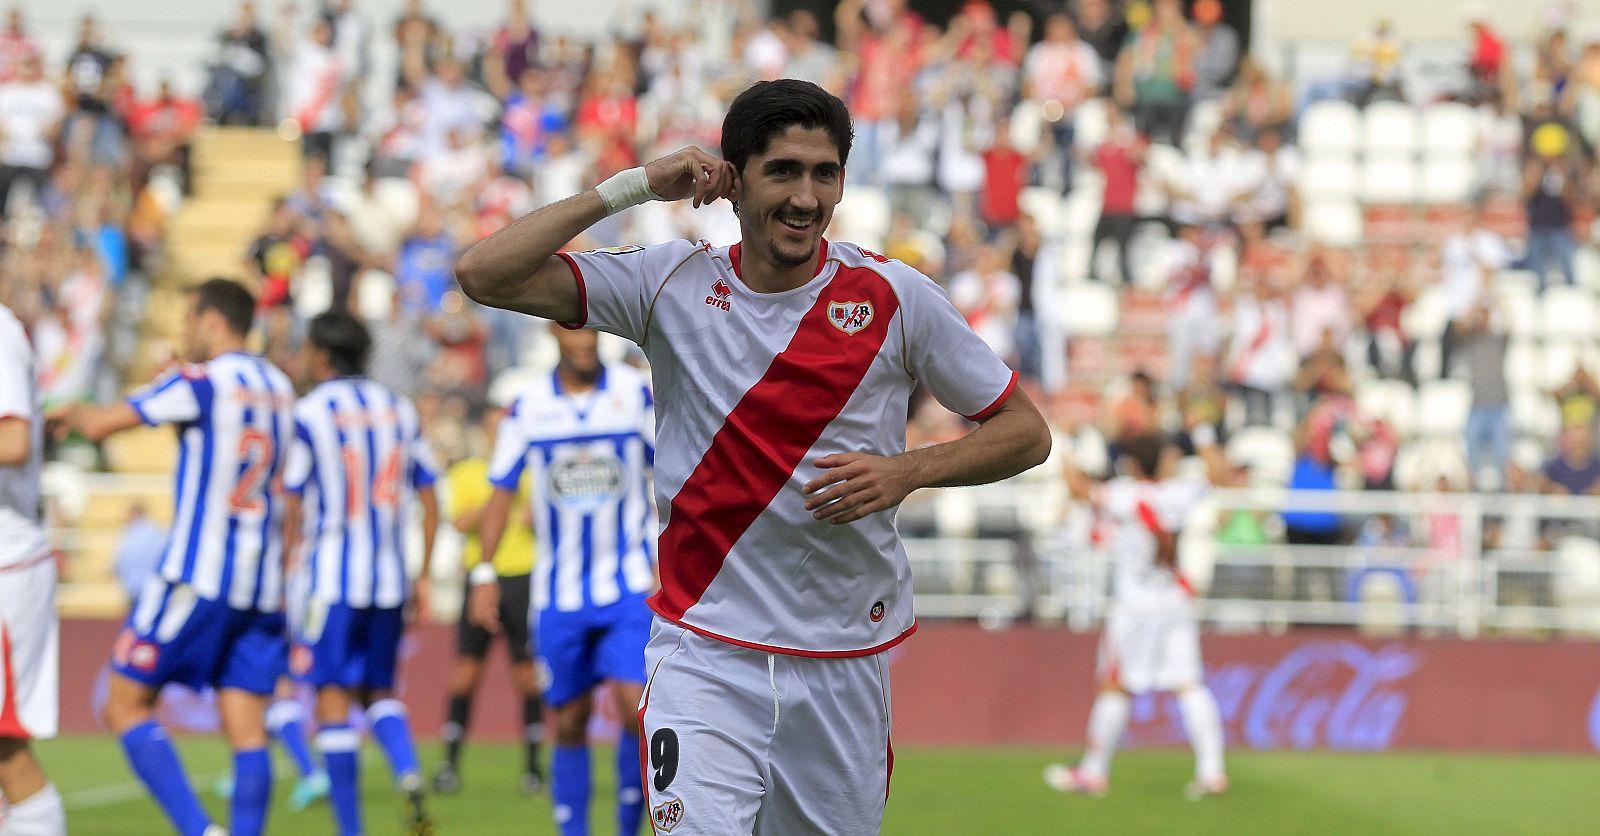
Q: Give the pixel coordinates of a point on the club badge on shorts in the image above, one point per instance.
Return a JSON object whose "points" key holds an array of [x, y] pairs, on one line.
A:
{"points": [[850, 317], [876, 613], [667, 815]]}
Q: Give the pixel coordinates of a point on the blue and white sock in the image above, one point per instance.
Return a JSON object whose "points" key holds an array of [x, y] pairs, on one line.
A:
{"points": [[341, 747], [156, 763], [388, 719], [569, 789], [252, 792], [286, 720], [630, 785]]}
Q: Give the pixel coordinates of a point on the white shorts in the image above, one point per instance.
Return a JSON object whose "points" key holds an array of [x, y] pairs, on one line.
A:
{"points": [[1146, 650], [739, 741], [29, 645]]}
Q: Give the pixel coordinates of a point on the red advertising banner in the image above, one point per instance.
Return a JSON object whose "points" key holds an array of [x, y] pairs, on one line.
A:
{"points": [[960, 684]]}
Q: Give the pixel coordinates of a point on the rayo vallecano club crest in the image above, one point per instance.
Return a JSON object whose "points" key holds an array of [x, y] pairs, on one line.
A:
{"points": [[667, 815], [850, 317]]}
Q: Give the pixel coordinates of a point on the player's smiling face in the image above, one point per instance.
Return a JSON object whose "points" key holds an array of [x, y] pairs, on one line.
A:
{"points": [[787, 195]]}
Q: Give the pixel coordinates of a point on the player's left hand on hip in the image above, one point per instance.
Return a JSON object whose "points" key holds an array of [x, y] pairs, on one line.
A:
{"points": [[854, 485]]}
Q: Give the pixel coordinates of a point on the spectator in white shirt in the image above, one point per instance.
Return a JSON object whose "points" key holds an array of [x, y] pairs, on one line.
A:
{"points": [[988, 296], [1209, 185], [1060, 72], [31, 109], [1269, 171], [314, 87], [1261, 357], [1468, 260], [1320, 306]]}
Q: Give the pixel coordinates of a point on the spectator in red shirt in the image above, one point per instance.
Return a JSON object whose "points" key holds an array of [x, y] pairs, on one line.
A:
{"points": [[608, 117], [1119, 159], [16, 46], [1005, 173], [162, 128], [1488, 50]]}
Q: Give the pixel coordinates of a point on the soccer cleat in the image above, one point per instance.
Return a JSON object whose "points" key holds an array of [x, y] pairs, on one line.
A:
{"points": [[532, 783], [417, 821], [1198, 789], [215, 830], [1063, 778], [309, 790], [446, 781]]}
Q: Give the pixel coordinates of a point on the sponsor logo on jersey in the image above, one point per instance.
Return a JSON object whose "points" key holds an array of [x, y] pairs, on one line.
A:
{"points": [[876, 613], [719, 295], [667, 815], [585, 480], [626, 248], [850, 317]]}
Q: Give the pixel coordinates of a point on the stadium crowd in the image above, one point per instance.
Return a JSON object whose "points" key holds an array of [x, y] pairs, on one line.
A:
{"points": [[1118, 195]]}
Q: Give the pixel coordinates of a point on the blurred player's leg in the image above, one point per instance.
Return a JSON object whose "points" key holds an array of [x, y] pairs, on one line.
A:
{"points": [[1202, 719], [569, 766], [243, 721], [1107, 721], [619, 660], [340, 746], [387, 715], [29, 638], [286, 721], [472, 644], [393, 732], [128, 712], [516, 623], [34, 806]]}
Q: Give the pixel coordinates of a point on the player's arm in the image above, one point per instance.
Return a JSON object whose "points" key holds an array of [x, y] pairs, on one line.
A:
{"points": [[485, 605], [15, 443], [495, 271], [1010, 440], [293, 518], [422, 590], [94, 421]]}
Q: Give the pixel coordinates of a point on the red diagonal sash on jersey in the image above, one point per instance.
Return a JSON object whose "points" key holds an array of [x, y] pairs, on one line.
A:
{"points": [[765, 436]]}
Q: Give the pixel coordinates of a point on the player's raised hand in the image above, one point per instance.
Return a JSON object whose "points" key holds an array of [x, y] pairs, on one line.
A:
{"points": [[854, 485], [484, 606], [691, 173]]}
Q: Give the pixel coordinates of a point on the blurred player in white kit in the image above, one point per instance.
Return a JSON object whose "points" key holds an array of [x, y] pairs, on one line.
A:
{"points": [[1151, 640], [783, 369], [30, 805]]}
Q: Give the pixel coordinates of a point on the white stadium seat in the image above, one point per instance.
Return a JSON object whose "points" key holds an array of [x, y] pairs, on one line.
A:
{"points": [[1567, 313], [1442, 407], [1045, 207], [1534, 413], [1586, 267], [1389, 128], [1517, 307], [1392, 401], [1089, 125], [863, 216], [1389, 179], [1328, 177], [1448, 179], [1449, 128], [1089, 309], [1419, 464], [1425, 317], [1330, 125], [1557, 363], [1337, 223], [1267, 451], [374, 292]]}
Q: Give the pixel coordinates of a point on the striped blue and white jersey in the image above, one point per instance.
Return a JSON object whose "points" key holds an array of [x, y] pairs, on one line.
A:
{"points": [[590, 455], [234, 421], [357, 459]]}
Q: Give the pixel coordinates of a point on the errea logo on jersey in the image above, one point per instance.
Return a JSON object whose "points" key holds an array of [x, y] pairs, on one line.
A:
{"points": [[719, 295], [850, 317]]}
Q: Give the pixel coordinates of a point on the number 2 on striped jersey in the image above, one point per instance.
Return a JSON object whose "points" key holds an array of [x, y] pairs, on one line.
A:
{"points": [[385, 486], [249, 493]]}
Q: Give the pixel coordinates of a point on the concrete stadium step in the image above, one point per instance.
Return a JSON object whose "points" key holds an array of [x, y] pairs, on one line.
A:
{"points": [[142, 450], [91, 599]]}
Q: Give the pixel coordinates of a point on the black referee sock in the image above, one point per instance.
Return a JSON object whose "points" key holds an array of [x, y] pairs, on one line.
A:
{"points": [[455, 728], [532, 731]]}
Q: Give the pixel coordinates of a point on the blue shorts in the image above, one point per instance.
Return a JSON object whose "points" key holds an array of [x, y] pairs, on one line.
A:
{"points": [[581, 649], [173, 635], [347, 647]]}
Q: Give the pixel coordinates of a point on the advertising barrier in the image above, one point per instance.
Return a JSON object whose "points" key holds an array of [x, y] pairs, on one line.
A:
{"points": [[958, 684]]}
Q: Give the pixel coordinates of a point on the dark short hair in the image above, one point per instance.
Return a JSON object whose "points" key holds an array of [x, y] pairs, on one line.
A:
{"points": [[229, 298], [768, 108], [1145, 449], [345, 339]]}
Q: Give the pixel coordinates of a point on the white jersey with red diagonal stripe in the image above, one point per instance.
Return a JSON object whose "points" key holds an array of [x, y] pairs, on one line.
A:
{"points": [[1130, 508], [751, 389]]}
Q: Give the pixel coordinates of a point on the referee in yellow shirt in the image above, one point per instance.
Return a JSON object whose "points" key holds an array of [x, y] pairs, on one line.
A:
{"points": [[468, 494]]}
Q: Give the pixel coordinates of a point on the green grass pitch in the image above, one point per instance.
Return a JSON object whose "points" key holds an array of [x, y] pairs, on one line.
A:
{"points": [[983, 792]]}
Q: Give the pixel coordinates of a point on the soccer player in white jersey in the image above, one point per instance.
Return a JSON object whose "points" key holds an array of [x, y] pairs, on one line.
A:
{"points": [[1151, 640], [587, 434], [356, 459], [212, 613], [28, 628], [783, 367]]}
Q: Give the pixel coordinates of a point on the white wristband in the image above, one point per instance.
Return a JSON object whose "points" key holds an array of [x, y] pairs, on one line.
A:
{"points": [[625, 189], [481, 574]]}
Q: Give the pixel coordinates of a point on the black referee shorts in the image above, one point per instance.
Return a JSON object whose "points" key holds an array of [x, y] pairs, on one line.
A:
{"points": [[473, 641]]}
